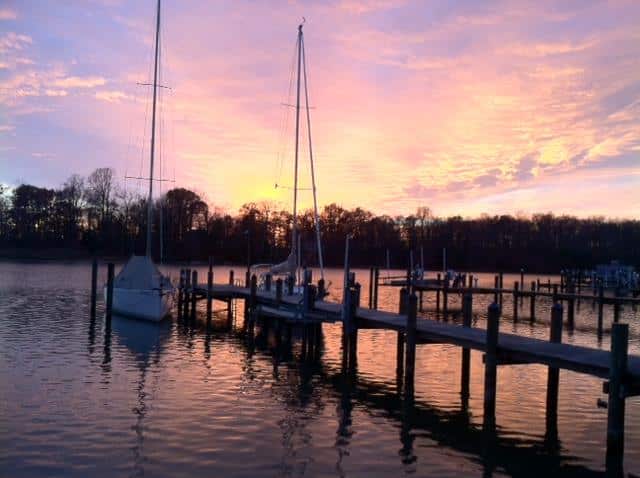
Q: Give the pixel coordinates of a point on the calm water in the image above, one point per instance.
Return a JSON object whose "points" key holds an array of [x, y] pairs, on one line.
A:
{"points": [[183, 400]]}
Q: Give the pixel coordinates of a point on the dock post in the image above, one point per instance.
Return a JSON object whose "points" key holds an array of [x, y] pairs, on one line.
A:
{"points": [[616, 403], [470, 280], [349, 328], [600, 309], [290, 284], [278, 291], [210, 291], [579, 282], [268, 278], [400, 343], [501, 284], [467, 311], [322, 291], [616, 311], [109, 308], [490, 367], [438, 295], [194, 284], [250, 303], [496, 284], [410, 356], [571, 312], [553, 373], [554, 297], [307, 293], [180, 292], [231, 277], [187, 284], [445, 298], [247, 279], [521, 282], [515, 301], [376, 280], [94, 286], [371, 287], [532, 302]]}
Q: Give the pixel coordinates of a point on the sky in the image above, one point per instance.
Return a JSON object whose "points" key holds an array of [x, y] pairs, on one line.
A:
{"points": [[467, 107]]}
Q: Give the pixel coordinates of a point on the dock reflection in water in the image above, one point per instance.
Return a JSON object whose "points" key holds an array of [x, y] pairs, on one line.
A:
{"points": [[184, 398]]}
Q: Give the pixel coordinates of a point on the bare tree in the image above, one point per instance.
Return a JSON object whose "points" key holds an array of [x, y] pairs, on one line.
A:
{"points": [[99, 194]]}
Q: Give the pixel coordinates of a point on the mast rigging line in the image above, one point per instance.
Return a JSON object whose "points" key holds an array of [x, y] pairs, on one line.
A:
{"points": [[313, 175]]}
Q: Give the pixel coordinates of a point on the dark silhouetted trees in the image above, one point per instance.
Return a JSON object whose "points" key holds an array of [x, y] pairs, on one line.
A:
{"points": [[98, 217]]}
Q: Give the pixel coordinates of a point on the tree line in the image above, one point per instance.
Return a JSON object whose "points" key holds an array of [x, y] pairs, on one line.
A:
{"points": [[94, 216]]}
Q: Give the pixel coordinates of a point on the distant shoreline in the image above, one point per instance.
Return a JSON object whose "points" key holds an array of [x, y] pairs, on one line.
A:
{"points": [[65, 255]]}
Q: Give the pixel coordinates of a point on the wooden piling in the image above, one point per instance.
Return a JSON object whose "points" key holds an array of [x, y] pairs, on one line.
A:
{"points": [[322, 291], [553, 373], [515, 301], [268, 279], [250, 303], [467, 311], [109, 305], [616, 403], [278, 291], [616, 311], [501, 286], [376, 281], [532, 302], [445, 298], [400, 358], [371, 287], [210, 292], [180, 292], [496, 285], [94, 286], [253, 284], [438, 294], [247, 278], [571, 312], [194, 284], [187, 292], [470, 280], [231, 277], [410, 354], [600, 309], [490, 366], [290, 284]]}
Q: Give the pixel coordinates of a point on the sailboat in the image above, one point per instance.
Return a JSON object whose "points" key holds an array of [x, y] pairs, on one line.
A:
{"points": [[290, 267], [140, 290]]}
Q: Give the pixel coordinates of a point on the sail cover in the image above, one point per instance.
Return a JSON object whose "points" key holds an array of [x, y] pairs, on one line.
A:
{"points": [[139, 273], [287, 267]]}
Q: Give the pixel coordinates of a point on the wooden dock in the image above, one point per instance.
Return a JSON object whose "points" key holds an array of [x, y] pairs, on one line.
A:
{"points": [[620, 370], [565, 292]]}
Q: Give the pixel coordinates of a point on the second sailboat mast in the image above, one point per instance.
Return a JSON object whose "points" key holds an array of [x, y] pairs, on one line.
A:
{"points": [[153, 134], [294, 234]]}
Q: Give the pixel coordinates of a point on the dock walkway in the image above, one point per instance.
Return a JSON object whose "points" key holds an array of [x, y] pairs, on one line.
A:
{"points": [[620, 370]]}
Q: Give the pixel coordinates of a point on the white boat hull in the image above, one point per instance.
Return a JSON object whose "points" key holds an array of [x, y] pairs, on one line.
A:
{"points": [[147, 304]]}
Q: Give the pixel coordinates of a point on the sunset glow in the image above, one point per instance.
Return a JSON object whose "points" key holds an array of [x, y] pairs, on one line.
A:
{"points": [[496, 107]]}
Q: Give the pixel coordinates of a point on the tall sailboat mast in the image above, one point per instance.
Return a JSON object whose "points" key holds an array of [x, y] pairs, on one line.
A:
{"points": [[153, 134], [294, 232]]}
